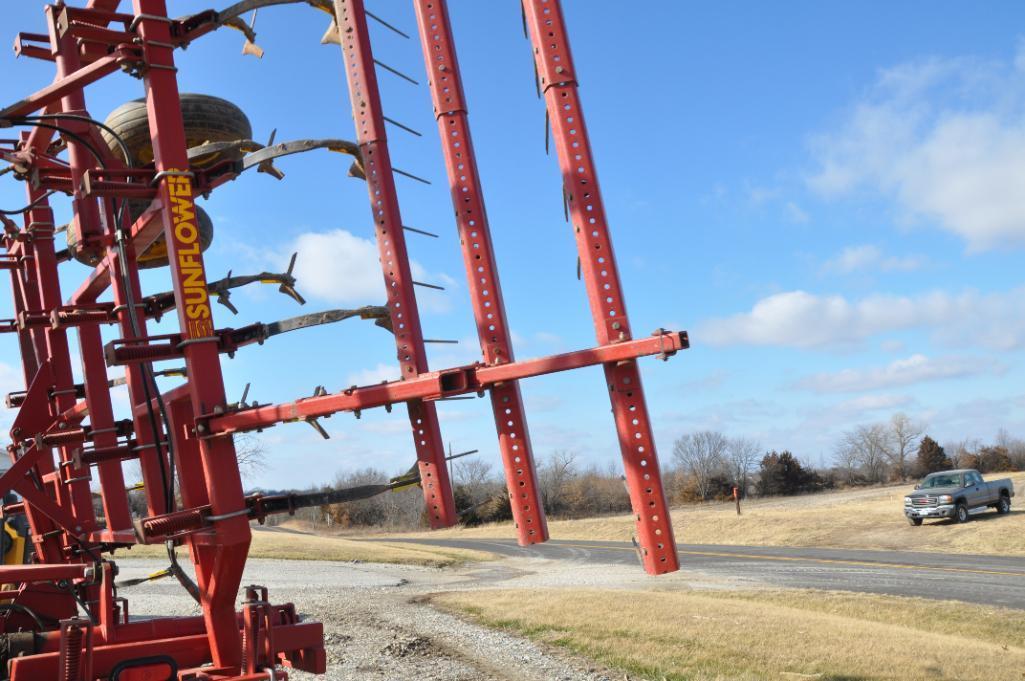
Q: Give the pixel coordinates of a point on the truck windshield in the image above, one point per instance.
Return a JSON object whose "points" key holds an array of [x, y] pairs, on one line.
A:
{"points": [[952, 480]]}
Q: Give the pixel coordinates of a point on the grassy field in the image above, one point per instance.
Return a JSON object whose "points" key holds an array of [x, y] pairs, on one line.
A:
{"points": [[754, 635], [861, 519], [295, 546]]}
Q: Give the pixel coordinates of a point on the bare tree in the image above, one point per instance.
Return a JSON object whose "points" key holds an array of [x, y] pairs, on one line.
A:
{"points": [[251, 454], [951, 448], [866, 445], [902, 441], [701, 455], [475, 477], [963, 453], [1015, 448], [742, 456], [553, 475], [847, 462]]}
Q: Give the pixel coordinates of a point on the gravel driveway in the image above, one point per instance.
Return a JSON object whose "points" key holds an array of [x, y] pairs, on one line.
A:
{"points": [[377, 625]]}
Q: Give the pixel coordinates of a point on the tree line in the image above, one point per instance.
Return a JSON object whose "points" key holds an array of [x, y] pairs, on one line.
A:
{"points": [[703, 466]]}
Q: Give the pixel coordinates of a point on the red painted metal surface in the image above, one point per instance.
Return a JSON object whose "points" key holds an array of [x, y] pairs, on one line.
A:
{"points": [[598, 269], [365, 97], [67, 437], [481, 270], [445, 383]]}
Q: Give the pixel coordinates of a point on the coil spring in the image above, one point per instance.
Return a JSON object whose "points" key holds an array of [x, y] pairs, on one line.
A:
{"points": [[157, 527], [245, 650], [72, 653]]}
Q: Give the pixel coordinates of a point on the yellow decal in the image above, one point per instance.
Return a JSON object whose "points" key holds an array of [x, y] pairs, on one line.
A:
{"points": [[190, 263]]}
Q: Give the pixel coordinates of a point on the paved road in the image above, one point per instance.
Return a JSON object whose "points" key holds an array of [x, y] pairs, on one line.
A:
{"points": [[992, 580]]}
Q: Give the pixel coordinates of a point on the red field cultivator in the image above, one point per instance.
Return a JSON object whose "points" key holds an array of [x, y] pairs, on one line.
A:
{"points": [[132, 183]]}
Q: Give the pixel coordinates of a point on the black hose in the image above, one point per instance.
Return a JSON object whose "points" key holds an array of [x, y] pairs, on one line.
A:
{"points": [[167, 468], [24, 610], [167, 476], [92, 121], [30, 206]]}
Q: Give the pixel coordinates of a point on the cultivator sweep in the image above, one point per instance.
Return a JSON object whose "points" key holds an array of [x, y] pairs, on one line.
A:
{"points": [[132, 183]]}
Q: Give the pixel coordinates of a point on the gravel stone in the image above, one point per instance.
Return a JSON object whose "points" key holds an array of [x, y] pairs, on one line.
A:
{"points": [[379, 624]]}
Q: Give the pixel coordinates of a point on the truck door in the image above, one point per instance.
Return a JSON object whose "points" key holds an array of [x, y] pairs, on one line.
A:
{"points": [[975, 490]]}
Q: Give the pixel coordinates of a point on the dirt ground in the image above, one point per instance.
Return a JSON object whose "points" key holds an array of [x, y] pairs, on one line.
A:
{"points": [[379, 627], [541, 620]]}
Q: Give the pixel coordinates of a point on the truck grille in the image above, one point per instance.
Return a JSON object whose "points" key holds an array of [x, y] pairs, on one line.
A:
{"points": [[923, 501]]}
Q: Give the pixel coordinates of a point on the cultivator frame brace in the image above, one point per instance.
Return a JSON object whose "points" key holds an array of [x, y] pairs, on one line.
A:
{"points": [[65, 433]]}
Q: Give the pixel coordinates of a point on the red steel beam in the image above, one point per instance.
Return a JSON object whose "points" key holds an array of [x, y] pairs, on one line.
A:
{"points": [[449, 382], [86, 222], [598, 269], [47, 572], [71, 505], [142, 233], [391, 243], [153, 462], [75, 497], [70, 84], [101, 418], [450, 111], [220, 560]]}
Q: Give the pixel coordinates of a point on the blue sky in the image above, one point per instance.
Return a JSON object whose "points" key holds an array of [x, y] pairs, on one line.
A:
{"points": [[829, 199]]}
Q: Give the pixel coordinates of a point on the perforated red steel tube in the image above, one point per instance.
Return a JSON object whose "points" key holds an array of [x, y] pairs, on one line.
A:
{"points": [[481, 271], [558, 81], [391, 244]]}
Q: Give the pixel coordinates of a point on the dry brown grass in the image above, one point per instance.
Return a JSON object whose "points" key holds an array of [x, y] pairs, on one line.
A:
{"points": [[294, 546], [857, 519], [702, 635]]}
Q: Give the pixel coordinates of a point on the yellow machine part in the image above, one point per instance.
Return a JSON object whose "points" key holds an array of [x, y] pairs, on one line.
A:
{"points": [[13, 545]]}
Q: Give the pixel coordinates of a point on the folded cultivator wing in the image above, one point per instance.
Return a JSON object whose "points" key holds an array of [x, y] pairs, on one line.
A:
{"points": [[132, 183]]}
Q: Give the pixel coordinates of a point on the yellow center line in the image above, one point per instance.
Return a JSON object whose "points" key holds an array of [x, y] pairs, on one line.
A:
{"points": [[837, 561]]}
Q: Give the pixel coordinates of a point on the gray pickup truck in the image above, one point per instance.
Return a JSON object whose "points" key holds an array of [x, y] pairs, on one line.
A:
{"points": [[956, 494]]}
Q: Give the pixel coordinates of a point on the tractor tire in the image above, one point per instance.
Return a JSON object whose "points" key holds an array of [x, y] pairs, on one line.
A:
{"points": [[207, 119], [156, 254]]}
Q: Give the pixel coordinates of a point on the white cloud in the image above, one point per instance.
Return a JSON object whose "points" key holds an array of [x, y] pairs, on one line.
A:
{"points": [[869, 257], [379, 373], [548, 338], [914, 369], [759, 195], [806, 320], [853, 258], [892, 345], [858, 406], [795, 213], [945, 138], [340, 267]]}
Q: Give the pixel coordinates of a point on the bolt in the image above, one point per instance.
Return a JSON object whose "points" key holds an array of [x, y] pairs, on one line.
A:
{"points": [[616, 325]]}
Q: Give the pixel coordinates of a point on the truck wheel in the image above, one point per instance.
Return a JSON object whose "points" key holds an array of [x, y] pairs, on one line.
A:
{"points": [[206, 118], [1004, 505], [156, 254], [915, 521], [961, 513]]}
